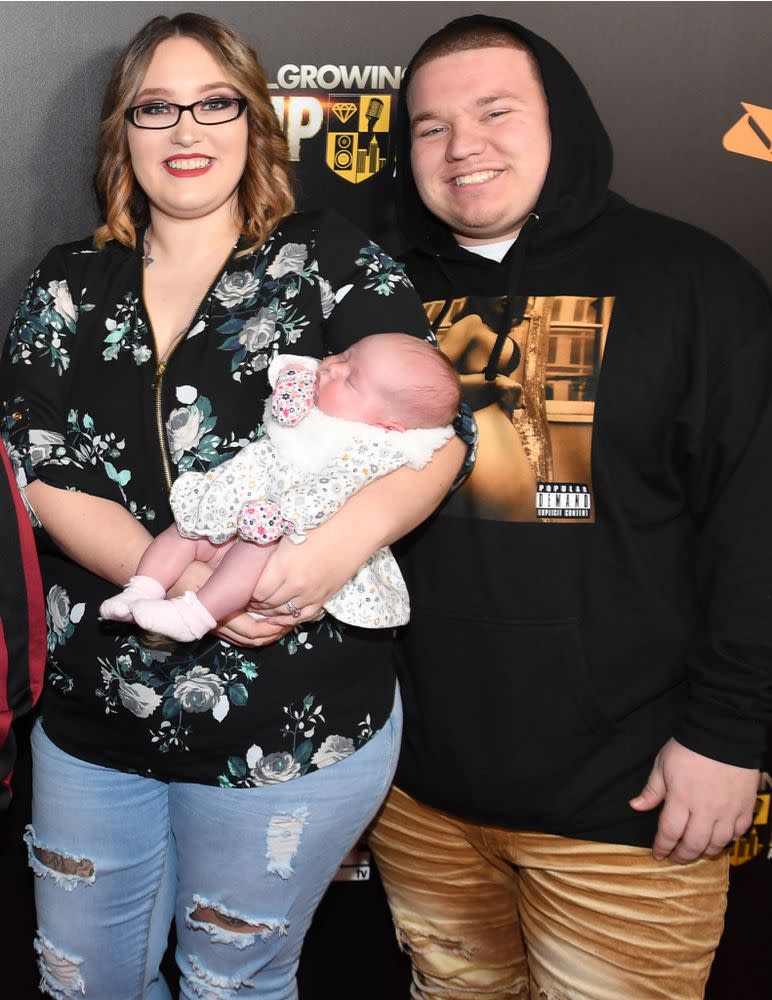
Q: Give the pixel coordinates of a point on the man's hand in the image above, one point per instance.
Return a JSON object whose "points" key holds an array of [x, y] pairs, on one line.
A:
{"points": [[707, 803]]}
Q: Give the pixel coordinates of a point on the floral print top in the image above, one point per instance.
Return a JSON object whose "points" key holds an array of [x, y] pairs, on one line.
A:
{"points": [[88, 409]]}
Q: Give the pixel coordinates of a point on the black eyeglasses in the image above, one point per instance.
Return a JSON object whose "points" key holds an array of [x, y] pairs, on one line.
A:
{"points": [[166, 114]]}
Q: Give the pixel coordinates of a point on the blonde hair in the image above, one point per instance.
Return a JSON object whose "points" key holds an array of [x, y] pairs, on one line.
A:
{"points": [[265, 192]]}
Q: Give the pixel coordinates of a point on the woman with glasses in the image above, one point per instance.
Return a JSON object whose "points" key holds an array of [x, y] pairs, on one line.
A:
{"points": [[218, 783]]}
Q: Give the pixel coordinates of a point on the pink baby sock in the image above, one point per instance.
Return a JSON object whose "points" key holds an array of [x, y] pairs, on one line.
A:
{"points": [[139, 588], [182, 618]]}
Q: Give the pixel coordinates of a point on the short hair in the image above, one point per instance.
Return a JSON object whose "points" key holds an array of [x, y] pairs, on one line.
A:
{"points": [[430, 398], [265, 190], [464, 37]]}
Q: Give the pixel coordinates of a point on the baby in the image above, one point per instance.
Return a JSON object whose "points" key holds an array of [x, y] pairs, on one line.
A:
{"points": [[330, 427]]}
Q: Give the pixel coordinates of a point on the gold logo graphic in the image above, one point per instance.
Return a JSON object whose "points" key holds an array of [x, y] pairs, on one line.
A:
{"points": [[358, 135], [343, 110], [752, 134], [757, 839]]}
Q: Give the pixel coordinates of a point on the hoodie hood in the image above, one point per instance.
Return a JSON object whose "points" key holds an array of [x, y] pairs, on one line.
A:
{"points": [[575, 189]]}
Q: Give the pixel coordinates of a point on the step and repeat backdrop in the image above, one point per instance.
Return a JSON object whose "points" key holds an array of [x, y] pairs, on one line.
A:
{"points": [[685, 92]]}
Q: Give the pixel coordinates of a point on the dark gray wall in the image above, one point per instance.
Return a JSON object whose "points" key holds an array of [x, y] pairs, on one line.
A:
{"points": [[667, 79]]}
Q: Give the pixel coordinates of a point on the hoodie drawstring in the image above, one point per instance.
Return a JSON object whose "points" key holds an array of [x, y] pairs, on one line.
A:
{"points": [[514, 305], [447, 301]]}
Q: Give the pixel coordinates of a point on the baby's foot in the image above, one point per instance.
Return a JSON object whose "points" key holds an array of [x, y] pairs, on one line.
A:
{"points": [[139, 588], [182, 618]]}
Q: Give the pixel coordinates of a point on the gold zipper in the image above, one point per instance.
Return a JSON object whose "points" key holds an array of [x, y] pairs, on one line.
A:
{"points": [[158, 385], [158, 378]]}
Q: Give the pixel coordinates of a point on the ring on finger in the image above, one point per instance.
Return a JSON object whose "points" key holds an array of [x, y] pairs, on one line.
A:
{"points": [[292, 609]]}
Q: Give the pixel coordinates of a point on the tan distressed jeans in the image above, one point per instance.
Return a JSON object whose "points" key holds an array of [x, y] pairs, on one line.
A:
{"points": [[486, 912]]}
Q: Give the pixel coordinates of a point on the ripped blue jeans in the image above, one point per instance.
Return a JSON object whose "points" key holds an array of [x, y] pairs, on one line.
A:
{"points": [[118, 856]]}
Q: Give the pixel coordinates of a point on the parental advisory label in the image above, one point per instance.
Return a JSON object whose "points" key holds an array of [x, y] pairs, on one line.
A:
{"points": [[568, 500]]}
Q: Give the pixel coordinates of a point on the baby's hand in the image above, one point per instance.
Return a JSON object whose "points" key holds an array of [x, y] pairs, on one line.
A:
{"points": [[294, 395]]}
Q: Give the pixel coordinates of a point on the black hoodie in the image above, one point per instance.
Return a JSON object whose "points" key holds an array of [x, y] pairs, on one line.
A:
{"points": [[604, 579]]}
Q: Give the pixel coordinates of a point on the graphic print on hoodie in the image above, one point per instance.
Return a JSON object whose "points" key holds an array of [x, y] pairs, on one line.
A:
{"points": [[535, 415]]}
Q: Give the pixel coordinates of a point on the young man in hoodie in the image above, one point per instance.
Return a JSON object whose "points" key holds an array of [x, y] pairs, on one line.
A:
{"points": [[586, 673]]}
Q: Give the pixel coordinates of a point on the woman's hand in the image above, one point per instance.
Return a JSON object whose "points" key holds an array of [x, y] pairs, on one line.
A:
{"points": [[240, 628], [243, 630], [306, 575]]}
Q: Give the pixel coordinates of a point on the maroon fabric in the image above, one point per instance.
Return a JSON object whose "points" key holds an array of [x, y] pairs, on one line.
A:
{"points": [[22, 620]]}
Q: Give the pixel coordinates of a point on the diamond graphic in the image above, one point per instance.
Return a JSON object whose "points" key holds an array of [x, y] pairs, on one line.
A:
{"points": [[344, 110]]}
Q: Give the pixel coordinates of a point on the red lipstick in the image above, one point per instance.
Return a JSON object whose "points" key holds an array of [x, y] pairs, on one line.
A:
{"points": [[190, 171]]}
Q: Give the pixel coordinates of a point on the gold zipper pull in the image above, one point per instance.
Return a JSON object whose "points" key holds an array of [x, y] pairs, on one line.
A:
{"points": [[159, 373]]}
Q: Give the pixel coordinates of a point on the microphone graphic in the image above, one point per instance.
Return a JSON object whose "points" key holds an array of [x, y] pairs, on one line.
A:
{"points": [[374, 112]]}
